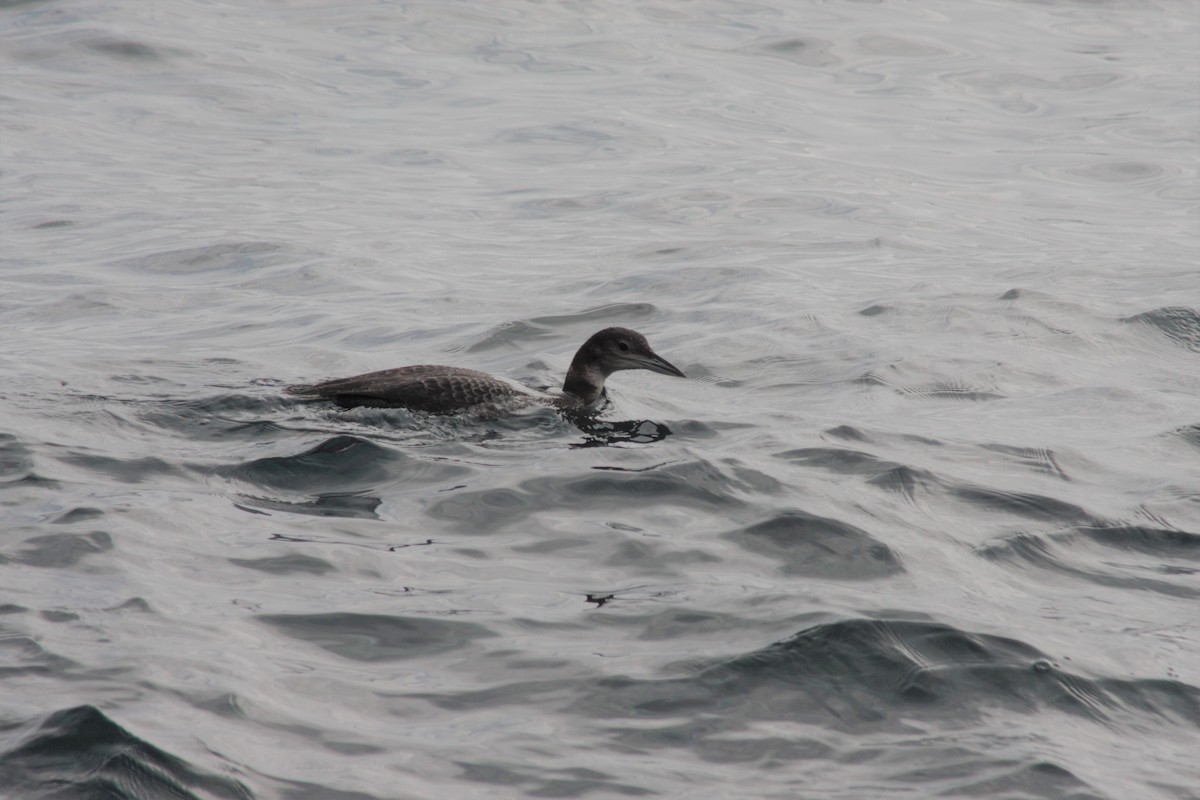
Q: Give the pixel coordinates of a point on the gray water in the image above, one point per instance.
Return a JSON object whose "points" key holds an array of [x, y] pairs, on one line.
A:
{"points": [[924, 520]]}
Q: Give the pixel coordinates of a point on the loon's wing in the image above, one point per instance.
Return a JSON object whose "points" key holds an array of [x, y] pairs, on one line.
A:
{"points": [[424, 387]]}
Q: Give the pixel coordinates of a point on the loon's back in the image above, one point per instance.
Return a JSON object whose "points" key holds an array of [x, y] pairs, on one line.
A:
{"points": [[423, 387]]}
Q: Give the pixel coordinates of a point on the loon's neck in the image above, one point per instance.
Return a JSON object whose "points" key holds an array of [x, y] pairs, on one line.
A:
{"points": [[584, 382]]}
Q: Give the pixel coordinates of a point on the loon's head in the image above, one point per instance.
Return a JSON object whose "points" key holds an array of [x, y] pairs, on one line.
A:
{"points": [[609, 351], [614, 349]]}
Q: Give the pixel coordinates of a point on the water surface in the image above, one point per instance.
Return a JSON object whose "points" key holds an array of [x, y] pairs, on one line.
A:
{"points": [[924, 520]]}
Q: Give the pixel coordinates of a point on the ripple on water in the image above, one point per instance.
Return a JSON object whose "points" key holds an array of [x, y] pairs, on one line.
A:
{"points": [[894, 377], [1189, 434], [1122, 556], [125, 470], [228, 257], [1119, 172], [889, 476], [293, 564], [16, 460], [863, 673], [228, 416], [340, 477], [337, 463], [81, 753], [695, 484], [58, 550], [378, 637], [807, 545], [1178, 323], [856, 676], [1023, 504]]}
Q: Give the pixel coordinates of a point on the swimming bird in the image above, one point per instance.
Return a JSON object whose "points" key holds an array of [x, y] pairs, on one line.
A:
{"points": [[448, 390]]}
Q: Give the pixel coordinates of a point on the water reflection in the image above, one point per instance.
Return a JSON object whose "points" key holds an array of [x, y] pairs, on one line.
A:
{"points": [[602, 433]]}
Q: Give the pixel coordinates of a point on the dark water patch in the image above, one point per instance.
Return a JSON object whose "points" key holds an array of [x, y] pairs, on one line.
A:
{"points": [[691, 484], [817, 547], [1118, 172], [286, 565], [670, 623], [1022, 504], [1189, 434], [1041, 780], [81, 754], [227, 416], [849, 433], [1151, 541], [35, 481], [344, 464], [59, 550], [548, 782], [948, 390], [855, 676], [349, 505], [650, 556], [125, 470], [904, 480], [805, 52], [125, 48], [80, 514], [376, 637], [861, 674], [887, 475], [875, 310], [839, 460], [22, 655], [1119, 556], [1180, 324], [846, 432], [137, 605], [16, 460], [1039, 459]]}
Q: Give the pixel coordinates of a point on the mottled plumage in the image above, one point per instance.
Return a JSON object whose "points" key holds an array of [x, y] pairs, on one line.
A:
{"points": [[445, 390]]}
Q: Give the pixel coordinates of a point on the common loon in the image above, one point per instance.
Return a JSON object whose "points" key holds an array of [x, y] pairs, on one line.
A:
{"points": [[446, 390]]}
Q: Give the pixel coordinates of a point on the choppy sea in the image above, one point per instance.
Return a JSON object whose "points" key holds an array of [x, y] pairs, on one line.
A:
{"points": [[923, 521]]}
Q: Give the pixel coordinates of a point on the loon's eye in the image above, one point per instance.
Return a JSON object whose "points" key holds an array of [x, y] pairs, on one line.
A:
{"points": [[623, 346]]}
